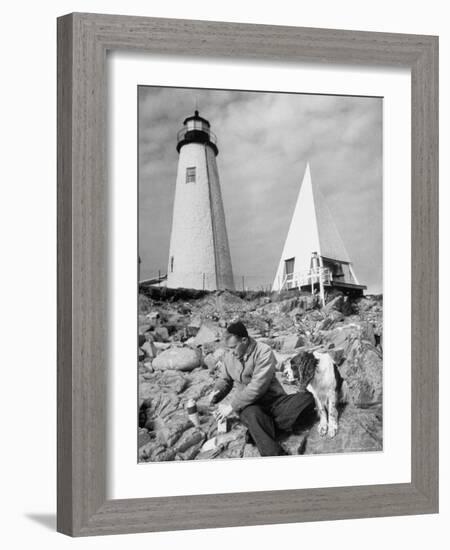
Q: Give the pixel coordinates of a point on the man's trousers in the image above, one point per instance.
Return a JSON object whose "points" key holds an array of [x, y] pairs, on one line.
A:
{"points": [[263, 419]]}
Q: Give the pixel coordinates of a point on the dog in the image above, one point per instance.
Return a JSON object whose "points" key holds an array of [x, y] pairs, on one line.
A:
{"points": [[316, 372]]}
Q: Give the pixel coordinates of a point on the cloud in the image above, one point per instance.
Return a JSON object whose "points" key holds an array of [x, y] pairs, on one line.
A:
{"points": [[265, 140]]}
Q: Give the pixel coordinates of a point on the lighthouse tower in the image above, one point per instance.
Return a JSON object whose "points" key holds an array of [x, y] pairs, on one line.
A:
{"points": [[199, 255]]}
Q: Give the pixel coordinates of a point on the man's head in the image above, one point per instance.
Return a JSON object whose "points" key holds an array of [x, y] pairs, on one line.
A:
{"points": [[237, 338]]}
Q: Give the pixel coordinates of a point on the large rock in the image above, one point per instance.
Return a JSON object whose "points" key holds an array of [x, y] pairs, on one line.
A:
{"points": [[155, 452], [334, 303], [251, 451], [161, 334], [207, 333], [200, 385], [193, 326], [368, 332], [288, 343], [147, 389], [160, 404], [359, 362], [192, 436], [170, 431], [228, 302], [307, 302], [212, 360], [342, 337], [143, 437], [363, 372], [235, 449], [149, 349], [179, 358], [369, 303], [359, 430], [173, 381]]}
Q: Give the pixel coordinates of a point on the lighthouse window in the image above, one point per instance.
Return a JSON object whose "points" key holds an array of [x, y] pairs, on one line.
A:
{"points": [[171, 264], [190, 174]]}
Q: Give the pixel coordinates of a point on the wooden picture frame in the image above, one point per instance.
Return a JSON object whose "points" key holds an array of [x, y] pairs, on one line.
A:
{"points": [[83, 40]]}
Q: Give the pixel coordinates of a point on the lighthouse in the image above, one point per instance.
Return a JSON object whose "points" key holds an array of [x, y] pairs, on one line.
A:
{"points": [[314, 256], [199, 254]]}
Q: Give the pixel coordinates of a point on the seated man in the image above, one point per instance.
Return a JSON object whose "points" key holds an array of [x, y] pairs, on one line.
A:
{"points": [[260, 400]]}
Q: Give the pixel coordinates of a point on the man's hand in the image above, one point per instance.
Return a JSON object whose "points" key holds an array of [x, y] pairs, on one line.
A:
{"points": [[223, 411], [212, 396]]}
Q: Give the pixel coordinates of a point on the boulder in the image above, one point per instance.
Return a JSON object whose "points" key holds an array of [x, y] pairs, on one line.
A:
{"points": [[153, 317], [161, 346], [250, 451], [190, 453], [368, 303], [367, 332], [190, 437], [211, 453], [326, 324], [359, 430], [160, 404], [360, 363], [155, 452], [363, 372], [179, 358], [335, 303], [184, 309], [289, 342], [161, 334], [307, 302], [173, 380], [200, 385], [228, 302], [211, 360], [207, 333], [288, 305], [347, 306], [148, 389], [193, 326], [143, 437], [171, 431], [149, 349], [341, 337], [234, 449]]}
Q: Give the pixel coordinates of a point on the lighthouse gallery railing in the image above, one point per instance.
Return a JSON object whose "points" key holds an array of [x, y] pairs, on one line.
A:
{"points": [[193, 125]]}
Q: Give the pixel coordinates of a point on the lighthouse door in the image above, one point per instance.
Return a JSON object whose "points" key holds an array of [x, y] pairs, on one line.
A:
{"points": [[289, 272]]}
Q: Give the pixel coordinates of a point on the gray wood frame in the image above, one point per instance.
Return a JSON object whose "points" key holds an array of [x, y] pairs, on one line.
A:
{"points": [[83, 40]]}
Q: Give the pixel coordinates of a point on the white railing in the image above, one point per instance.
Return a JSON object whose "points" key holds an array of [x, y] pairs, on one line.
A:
{"points": [[308, 277]]}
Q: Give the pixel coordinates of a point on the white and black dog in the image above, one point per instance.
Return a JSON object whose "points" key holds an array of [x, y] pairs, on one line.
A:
{"points": [[316, 372]]}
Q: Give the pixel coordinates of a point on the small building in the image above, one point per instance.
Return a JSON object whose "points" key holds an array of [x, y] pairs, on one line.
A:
{"points": [[314, 256]]}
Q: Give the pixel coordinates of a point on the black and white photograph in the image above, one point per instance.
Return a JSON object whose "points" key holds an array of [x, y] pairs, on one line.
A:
{"points": [[260, 274]]}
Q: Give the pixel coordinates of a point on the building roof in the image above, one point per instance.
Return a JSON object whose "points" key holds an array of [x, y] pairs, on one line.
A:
{"points": [[312, 229], [331, 244]]}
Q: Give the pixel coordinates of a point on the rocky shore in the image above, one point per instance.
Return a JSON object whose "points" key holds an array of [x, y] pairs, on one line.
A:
{"points": [[180, 348]]}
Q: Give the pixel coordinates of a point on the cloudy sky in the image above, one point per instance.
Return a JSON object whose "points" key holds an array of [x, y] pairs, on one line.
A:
{"points": [[265, 140]]}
